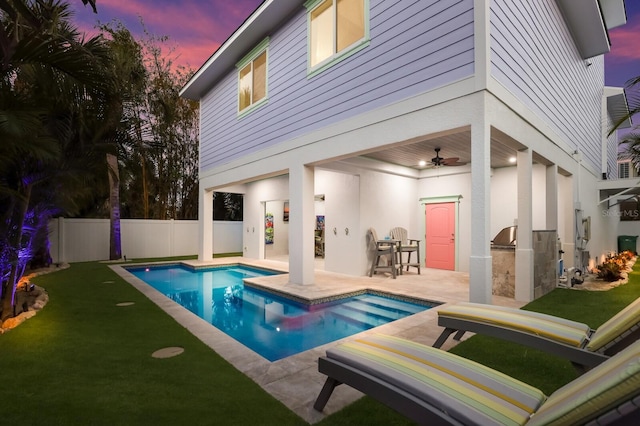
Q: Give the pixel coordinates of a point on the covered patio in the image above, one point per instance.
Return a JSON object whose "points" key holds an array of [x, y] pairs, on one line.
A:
{"points": [[370, 176]]}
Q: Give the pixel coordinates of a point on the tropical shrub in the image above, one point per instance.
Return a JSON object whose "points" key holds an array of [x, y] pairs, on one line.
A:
{"points": [[627, 255], [612, 268]]}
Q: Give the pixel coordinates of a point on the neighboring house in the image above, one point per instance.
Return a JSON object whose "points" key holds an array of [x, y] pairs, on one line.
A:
{"points": [[626, 169], [625, 201], [332, 108]]}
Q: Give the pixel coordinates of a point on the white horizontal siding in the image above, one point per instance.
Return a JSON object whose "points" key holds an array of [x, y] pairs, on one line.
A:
{"points": [[612, 150], [534, 57], [415, 46]]}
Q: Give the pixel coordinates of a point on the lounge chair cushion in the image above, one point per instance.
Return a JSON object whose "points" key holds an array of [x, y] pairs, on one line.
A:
{"points": [[467, 391], [599, 391], [626, 320], [559, 329]]}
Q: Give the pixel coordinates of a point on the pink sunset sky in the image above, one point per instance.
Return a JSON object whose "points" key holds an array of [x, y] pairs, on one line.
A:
{"points": [[196, 28]]}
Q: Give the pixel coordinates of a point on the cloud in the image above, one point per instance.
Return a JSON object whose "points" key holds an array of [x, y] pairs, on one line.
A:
{"points": [[166, 18], [194, 55], [624, 43], [195, 28]]}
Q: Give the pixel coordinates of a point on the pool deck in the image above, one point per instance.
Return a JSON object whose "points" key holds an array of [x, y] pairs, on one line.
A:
{"points": [[295, 381]]}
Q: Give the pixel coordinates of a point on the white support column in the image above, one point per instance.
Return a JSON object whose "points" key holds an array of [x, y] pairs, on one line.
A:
{"points": [[552, 197], [524, 243], [301, 224], [552, 218], [480, 273], [205, 223]]}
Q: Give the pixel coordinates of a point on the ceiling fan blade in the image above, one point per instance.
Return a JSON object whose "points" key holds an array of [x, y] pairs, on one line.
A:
{"points": [[453, 161], [450, 160]]}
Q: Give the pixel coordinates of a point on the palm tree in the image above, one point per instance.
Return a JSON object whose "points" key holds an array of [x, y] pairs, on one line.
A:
{"points": [[630, 143], [123, 125], [632, 90], [630, 150], [158, 144], [50, 76]]}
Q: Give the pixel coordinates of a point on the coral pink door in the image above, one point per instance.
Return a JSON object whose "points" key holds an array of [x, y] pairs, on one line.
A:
{"points": [[440, 236]]}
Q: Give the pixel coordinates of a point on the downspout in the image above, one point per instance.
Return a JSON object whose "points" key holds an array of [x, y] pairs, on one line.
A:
{"points": [[578, 248]]}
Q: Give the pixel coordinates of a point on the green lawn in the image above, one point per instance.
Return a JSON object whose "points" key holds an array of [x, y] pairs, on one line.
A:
{"points": [[83, 360]]}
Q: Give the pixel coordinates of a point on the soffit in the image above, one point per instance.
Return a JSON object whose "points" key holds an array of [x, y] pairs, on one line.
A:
{"points": [[586, 23], [618, 109], [614, 13]]}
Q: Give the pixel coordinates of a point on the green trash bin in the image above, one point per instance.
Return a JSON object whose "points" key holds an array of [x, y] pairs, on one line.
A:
{"points": [[627, 242]]}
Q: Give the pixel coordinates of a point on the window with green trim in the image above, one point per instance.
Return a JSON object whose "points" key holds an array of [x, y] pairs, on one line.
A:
{"points": [[252, 77], [336, 28]]}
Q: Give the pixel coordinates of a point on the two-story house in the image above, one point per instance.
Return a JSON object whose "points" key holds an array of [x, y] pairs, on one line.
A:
{"points": [[343, 103]]}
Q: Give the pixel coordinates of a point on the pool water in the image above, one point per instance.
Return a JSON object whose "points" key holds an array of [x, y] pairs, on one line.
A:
{"points": [[270, 325]]}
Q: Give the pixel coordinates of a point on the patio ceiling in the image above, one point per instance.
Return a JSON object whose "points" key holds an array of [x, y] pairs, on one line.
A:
{"points": [[456, 144]]}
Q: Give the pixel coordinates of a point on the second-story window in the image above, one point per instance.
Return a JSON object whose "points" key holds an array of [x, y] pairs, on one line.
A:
{"points": [[336, 27], [252, 78], [623, 170]]}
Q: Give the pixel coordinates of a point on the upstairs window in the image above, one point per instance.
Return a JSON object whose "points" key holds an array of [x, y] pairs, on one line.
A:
{"points": [[252, 78], [336, 28], [623, 170]]}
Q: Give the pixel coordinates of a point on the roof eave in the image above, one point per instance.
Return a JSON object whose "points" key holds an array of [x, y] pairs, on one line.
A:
{"points": [[614, 12], [259, 24], [618, 107], [587, 26]]}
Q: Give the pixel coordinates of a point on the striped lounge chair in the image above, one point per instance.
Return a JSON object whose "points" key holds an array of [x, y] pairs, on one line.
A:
{"points": [[575, 341], [434, 387]]}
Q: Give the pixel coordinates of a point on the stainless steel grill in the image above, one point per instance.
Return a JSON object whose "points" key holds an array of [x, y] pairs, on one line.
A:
{"points": [[506, 237]]}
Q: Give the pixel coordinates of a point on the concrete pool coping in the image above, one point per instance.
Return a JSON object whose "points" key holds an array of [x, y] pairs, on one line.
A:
{"points": [[295, 380]]}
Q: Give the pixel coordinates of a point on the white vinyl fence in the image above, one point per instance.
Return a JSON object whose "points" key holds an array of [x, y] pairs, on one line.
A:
{"points": [[81, 240]]}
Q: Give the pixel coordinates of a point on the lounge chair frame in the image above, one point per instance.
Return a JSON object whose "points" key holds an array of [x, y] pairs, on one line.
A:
{"points": [[581, 357], [394, 397], [577, 355]]}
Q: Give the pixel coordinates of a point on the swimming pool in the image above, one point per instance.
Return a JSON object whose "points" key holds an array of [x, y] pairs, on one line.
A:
{"points": [[268, 324]]}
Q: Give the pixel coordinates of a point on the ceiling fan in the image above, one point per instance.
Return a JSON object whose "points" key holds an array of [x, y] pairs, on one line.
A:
{"points": [[438, 161]]}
